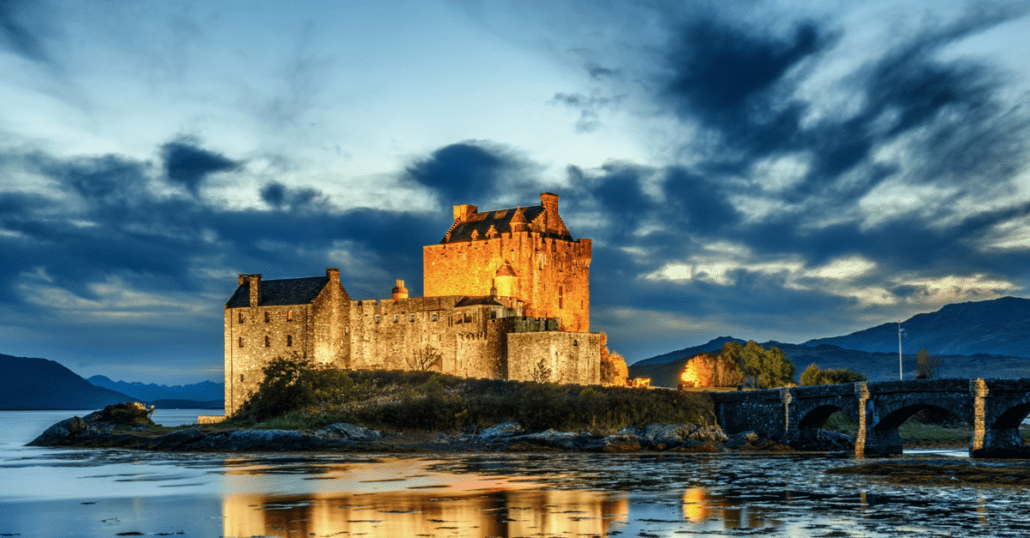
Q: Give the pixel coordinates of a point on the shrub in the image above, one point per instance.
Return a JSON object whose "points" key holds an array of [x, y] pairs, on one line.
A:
{"points": [[297, 394], [813, 375]]}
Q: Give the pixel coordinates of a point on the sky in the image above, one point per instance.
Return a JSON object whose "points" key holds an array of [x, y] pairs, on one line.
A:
{"points": [[767, 170]]}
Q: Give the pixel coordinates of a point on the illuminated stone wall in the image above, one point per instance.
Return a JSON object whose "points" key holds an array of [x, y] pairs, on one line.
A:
{"points": [[257, 334], [552, 274], [571, 357]]}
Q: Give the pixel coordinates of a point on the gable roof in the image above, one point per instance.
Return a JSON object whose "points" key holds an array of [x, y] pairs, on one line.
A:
{"points": [[288, 291], [477, 301], [483, 224]]}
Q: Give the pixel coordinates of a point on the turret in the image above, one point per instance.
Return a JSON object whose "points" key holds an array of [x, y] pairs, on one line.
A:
{"points": [[399, 291]]}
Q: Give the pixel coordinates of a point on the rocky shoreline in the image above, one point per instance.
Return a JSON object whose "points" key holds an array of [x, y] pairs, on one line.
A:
{"points": [[94, 431]]}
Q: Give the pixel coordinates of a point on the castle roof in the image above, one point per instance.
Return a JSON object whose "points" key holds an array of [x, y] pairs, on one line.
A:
{"points": [[479, 225], [288, 291], [476, 301], [506, 270]]}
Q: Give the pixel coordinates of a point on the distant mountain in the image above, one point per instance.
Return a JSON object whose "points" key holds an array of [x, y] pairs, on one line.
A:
{"points": [[202, 392], [187, 404], [712, 345], [997, 327], [44, 384]]}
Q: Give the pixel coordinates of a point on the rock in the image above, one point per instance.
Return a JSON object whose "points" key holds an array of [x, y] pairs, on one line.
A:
{"points": [[566, 440], [350, 432], [62, 433], [505, 429], [741, 439], [708, 434], [614, 443], [630, 430]]}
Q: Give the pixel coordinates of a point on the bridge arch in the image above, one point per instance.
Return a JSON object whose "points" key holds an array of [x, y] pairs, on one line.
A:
{"points": [[1012, 417]]}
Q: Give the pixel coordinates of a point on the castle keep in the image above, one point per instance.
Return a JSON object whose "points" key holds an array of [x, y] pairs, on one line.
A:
{"points": [[507, 295]]}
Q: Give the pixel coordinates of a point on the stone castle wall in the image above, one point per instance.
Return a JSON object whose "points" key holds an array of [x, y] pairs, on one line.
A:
{"points": [[553, 274], [572, 357]]}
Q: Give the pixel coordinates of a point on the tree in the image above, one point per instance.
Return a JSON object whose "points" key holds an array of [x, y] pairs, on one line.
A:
{"points": [[706, 370], [425, 359], [542, 372], [813, 375], [613, 366], [927, 366], [765, 368]]}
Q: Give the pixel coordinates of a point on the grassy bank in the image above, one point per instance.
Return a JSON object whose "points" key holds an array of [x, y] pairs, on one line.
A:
{"points": [[300, 396], [916, 434]]}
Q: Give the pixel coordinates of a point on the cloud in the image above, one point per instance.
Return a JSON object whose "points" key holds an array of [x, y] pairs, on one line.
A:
{"points": [[280, 196], [470, 171], [16, 36], [189, 165]]}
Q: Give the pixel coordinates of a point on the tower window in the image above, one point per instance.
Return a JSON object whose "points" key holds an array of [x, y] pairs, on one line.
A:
{"points": [[268, 341], [377, 318], [412, 317], [434, 316], [241, 341], [241, 317], [268, 317], [242, 378], [396, 318], [560, 301], [289, 315], [289, 339]]}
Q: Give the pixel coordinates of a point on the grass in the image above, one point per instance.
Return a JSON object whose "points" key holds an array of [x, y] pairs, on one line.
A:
{"points": [[918, 434], [392, 401]]}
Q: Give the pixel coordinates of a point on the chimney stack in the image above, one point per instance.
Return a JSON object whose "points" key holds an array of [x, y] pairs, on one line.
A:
{"points": [[333, 274], [550, 203], [399, 291], [255, 289], [462, 212]]}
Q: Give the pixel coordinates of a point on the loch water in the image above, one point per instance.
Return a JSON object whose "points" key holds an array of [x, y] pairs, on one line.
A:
{"points": [[46, 492]]}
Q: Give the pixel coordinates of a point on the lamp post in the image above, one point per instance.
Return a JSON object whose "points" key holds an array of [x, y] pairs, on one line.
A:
{"points": [[901, 374]]}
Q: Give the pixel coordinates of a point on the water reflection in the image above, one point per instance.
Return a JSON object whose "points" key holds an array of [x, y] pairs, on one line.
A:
{"points": [[399, 513]]}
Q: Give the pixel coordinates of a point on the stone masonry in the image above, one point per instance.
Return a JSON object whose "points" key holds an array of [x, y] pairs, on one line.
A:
{"points": [[507, 291]]}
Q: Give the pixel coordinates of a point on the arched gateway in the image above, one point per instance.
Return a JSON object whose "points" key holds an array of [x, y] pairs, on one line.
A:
{"points": [[995, 408]]}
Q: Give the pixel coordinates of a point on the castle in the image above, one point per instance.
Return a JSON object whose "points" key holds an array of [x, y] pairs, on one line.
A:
{"points": [[507, 295]]}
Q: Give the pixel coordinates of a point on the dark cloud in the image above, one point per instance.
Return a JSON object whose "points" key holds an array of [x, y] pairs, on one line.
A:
{"points": [[16, 36], [468, 171], [724, 76], [280, 196], [189, 165]]}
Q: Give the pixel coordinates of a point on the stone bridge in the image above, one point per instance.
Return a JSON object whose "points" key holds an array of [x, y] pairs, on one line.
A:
{"points": [[794, 416]]}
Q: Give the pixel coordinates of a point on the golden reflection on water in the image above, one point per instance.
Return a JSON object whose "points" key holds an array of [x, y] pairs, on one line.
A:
{"points": [[419, 513], [694, 508]]}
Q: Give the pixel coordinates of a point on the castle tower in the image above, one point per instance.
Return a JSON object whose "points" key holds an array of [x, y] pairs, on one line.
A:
{"points": [[550, 270], [506, 281]]}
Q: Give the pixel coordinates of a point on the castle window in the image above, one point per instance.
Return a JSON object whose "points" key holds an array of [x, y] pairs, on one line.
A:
{"points": [[289, 339], [434, 316], [575, 342], [268, 341], [242, 378], [241, 317], [377, 318], [289, 315], [412, 317], [268, 317], [396, 318], [346, 330], [241, 341], [560, 301]]}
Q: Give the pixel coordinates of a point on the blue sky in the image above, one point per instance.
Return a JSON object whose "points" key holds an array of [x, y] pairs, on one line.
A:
{"points": [[770, 170]]}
